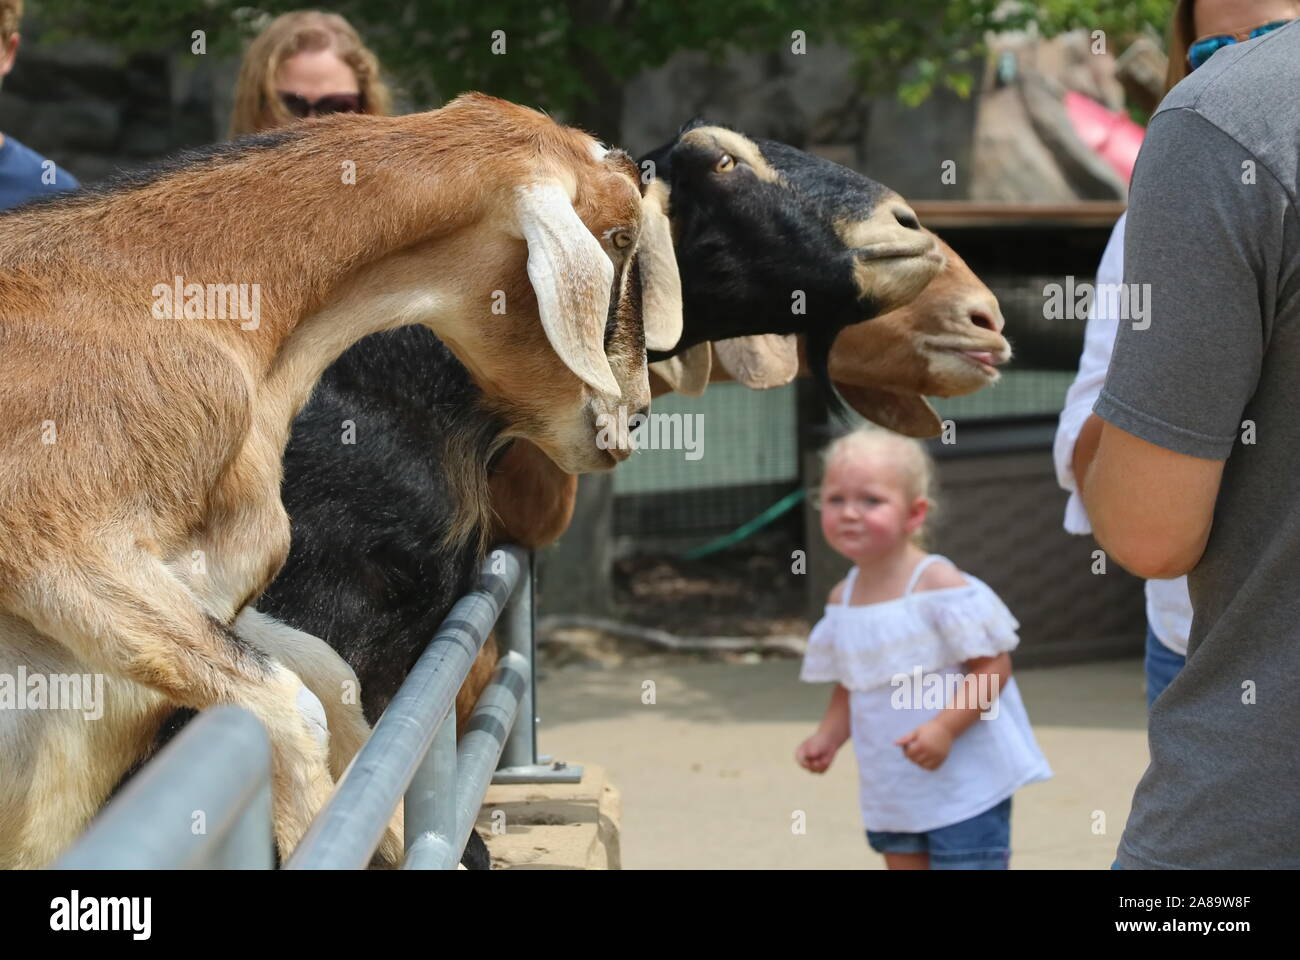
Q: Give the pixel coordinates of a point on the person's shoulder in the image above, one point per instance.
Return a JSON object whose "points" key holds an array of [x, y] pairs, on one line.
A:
{"points": [[21, 160], [940, 575], [17, 152], [1226, 90], [837, 592]]}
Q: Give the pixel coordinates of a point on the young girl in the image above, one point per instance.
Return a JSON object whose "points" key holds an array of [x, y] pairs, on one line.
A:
{"points": [[919, 653]]}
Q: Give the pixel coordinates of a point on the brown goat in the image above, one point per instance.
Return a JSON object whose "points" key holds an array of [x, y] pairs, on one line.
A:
{"points": [[140, 464]]}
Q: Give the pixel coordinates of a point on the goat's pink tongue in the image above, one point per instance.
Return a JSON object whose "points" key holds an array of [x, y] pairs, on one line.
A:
{"points": [[981, 357]]}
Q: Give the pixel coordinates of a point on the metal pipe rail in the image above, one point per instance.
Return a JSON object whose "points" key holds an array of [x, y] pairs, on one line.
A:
{"points": [[204, 801], [402, 749], [221, 763]]}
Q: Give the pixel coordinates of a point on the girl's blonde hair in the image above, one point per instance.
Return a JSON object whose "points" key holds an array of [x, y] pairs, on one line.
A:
{"points": [[907, 456], [257, 103]]}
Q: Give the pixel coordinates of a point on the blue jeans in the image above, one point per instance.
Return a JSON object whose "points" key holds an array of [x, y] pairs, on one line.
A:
{"points": [[1162, 665], [981, 843]]}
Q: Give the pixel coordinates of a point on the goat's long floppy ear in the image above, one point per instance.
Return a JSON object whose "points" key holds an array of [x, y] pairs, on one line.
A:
{"points": [[905, 413], [688, 372], [661, 286], [572, 277], [761, 361]]}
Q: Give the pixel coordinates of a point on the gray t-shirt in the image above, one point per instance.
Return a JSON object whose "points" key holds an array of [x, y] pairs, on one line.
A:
{"points": [[1212, 227]]}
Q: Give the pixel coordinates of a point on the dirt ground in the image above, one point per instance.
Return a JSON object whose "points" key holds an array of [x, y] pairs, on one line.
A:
{"points": [[708, 779], [736, 592], [706, 768]]}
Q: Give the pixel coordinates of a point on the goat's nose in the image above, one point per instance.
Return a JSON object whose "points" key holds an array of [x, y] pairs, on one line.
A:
{"points": [[644, 414], [987, 317], [906, 218]]}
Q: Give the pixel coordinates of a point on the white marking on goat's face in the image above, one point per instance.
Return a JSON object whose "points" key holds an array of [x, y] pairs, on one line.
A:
{"points": [[620, 239], [893, 259], [893, 223], [737, 146]]}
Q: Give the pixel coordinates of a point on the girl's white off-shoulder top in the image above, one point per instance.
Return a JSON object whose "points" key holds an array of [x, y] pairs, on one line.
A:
{"points": [[902, 660]]}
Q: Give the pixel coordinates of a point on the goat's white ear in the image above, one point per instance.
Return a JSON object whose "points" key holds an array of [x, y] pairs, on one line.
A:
{"points": [[688, 372], [661, 286], [572, 277], [907, 413], [760, 362]]}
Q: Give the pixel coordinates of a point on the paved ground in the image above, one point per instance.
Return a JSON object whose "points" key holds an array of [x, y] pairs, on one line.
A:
{"points": [[708, 777]]}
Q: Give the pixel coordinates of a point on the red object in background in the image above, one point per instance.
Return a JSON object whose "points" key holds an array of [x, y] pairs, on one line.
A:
{"points": [[1111, 135]]}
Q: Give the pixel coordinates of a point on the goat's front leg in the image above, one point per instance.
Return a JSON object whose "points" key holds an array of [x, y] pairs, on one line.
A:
{"points": [[329, 677], [124, 613]]}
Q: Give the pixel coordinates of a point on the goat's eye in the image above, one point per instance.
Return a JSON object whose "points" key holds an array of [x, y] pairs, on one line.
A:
{"points": [[725, 162], [622, 239]]}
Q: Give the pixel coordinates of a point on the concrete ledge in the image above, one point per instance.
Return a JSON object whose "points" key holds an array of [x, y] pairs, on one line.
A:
{"points": [[553, 826]]}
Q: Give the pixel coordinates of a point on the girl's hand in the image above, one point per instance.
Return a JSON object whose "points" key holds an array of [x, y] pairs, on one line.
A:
{"points": [[816, 753], [927, 746]]}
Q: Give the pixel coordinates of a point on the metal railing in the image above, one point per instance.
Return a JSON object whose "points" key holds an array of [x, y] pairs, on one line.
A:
{"points": [[220, 764]]}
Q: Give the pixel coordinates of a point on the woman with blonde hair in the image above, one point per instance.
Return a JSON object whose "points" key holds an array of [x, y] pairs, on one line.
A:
{"points": [[306, 63]]}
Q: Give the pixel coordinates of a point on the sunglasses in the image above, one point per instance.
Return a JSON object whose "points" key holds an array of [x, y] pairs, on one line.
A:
{"points": [[330, 103], [1203, 49]]}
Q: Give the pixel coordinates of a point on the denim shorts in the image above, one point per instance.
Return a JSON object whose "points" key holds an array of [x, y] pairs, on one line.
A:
{"points": [[981, 843], [1162, 665]]}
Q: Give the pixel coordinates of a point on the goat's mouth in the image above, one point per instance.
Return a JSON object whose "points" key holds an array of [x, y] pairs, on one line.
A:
{"points": [[900, 251], [982, 359], [985, 361]]}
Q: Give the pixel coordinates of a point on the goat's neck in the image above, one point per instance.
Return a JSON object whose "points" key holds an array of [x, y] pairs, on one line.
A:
{"points": [[300, 215]]}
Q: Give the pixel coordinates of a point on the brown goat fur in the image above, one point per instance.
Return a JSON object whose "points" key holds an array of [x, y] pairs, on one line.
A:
{"points": [[140, 459]]}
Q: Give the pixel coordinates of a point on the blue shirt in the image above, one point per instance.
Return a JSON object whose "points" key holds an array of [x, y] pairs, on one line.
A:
{"points": [[25, 174]]}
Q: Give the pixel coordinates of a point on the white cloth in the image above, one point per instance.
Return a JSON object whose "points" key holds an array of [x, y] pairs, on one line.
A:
{"points": [[1169, 607], [883, 652]]}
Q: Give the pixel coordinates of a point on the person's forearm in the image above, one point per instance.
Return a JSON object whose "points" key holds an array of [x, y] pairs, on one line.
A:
{"points": [[836, 722], [976, 694], [1085, 448], [1154, 527]]}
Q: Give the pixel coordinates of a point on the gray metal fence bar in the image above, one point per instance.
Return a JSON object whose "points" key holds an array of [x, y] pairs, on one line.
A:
{"points": [[515, 633], [480, 748], [430, 812], [219, 766], [215, 775], [345, 833], [519, 761]]}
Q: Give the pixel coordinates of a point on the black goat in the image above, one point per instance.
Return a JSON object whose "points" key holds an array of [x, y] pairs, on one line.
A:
{"points": [[374, 565], [773, 240]]}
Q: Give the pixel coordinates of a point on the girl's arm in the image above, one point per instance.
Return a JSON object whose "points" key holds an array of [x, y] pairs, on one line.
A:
{"points": [[985, 677], [835, 725], [817, 752], [927, 746]]}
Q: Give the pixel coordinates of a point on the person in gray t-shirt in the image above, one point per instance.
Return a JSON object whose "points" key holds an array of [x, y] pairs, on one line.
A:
{"points": [[1198, 466]]}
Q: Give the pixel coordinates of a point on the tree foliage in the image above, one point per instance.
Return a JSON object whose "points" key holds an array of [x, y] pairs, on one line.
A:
{"points": [[564, 55]]}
